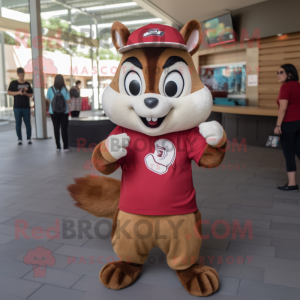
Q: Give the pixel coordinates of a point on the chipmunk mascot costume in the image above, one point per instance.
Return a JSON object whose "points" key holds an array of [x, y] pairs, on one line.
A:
{"points": [[160, 107]]}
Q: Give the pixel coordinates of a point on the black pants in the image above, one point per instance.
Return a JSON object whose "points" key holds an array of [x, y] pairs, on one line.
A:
{"points": [[290, 141], [60, 121], [75, 113]]}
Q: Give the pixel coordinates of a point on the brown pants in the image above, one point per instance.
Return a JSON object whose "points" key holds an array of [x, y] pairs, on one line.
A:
{"points": [[178, 237]]}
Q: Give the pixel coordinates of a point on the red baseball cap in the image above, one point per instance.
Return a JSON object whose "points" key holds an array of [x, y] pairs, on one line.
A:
{"points": [[155, 35]]}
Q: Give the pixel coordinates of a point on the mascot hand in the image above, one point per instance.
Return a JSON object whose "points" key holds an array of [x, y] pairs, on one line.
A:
{"points": [[212, 132], [116, 145]]}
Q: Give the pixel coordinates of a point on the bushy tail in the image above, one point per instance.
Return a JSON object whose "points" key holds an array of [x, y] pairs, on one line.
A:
{"points": [[97, 195]]}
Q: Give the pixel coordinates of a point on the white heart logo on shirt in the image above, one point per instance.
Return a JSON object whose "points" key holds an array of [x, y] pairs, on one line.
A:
{"points": [[162, 158]]}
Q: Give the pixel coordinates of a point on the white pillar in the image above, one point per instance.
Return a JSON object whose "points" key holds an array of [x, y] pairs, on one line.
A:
{"points": [[92, 61], [38, 79], [71, 51], [3, 86], [95, 85], [2, 65], [97, 56]]}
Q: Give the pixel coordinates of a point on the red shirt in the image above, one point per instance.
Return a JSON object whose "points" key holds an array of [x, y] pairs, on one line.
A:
{"points": [[290, 91], [157, 172]]}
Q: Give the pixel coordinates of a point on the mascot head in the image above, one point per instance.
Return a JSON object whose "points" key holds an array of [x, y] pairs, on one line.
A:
{"points": [[156, 89]]}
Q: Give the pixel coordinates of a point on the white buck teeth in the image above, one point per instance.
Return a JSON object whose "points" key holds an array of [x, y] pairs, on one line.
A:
{"points": [[153, 119]]}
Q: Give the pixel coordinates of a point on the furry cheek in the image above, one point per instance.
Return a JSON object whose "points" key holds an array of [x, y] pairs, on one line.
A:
{"points": [[111, 103], [203, 100], [202, 103], [191, 110], [119, 109]]}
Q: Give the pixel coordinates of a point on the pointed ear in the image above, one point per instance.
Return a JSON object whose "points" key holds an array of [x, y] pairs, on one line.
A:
{"points": [[192, 35], [119, 35]]}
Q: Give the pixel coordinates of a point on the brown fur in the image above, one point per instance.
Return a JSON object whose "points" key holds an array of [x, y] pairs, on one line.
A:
{"points": [[122, 30], [153, 67], [118, 275], [105, 153], [196, 82], [98, 196], [199, 280], [103, 165], [213, 156], [187, 30], [135, 52]]}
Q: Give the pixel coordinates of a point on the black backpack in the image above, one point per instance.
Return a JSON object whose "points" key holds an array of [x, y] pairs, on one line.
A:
{"points": [[58, 103]]}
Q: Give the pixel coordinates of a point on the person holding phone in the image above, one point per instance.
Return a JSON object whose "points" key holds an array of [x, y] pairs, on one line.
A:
{"points": [[22, 92], [288, 121]]}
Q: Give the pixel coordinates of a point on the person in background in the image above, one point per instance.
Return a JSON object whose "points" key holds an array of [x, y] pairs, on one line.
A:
{"points": [[76, 100], [60, 121], [209, 81], [288, 121], [22, 92], [78, 85]]}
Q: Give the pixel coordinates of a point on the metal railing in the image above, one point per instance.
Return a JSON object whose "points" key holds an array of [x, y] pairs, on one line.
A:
{"points": [[6, 106]]}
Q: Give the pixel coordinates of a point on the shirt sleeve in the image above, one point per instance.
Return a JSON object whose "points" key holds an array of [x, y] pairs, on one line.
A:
{"points": [[285, 92], [49, 94], [12, 87], [195, 144], [117, 130], [29, 91]]}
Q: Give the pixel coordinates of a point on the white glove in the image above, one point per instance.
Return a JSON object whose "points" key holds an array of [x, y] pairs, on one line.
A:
{"points": [[212, 132], [116, 144]]}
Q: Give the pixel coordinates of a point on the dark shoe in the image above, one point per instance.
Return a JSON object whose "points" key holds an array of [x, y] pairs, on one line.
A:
{"points": [[20, 142], [293, 188], [29, 142]]}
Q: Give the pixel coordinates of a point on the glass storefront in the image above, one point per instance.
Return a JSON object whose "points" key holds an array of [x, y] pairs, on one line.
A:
{"points": [[76, 42]]}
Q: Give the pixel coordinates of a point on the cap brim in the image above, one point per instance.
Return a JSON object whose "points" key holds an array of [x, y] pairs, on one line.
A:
{"points": [[153, 45]]}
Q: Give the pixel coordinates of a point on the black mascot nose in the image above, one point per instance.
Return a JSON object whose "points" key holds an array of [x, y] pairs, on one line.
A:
{"points": [[151, 102]]}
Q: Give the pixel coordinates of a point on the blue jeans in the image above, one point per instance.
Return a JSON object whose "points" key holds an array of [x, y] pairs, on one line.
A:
{"points": [[25, 113]]}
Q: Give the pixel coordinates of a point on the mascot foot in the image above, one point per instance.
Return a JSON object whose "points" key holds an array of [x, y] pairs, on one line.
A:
{"points": [[199, 280], [120, 274]]}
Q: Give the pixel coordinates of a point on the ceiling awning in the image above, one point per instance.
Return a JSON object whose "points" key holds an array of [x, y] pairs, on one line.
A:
{"points": [[58, 63]]}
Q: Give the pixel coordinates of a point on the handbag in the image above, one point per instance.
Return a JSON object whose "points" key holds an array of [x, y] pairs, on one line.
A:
{"points": [[273, 141]]}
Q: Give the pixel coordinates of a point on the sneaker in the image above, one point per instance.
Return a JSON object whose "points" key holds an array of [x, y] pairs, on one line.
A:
{"points": [[58, 149], [286, 188], [66, 150], [29, 142], [20, 142]]}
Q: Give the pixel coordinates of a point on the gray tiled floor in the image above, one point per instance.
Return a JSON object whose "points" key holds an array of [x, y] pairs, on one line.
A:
{"points": [[33, 182]]}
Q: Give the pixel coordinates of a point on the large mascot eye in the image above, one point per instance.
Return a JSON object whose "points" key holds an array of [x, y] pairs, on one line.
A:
{"points": [[133, 84], [174, 84]]}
